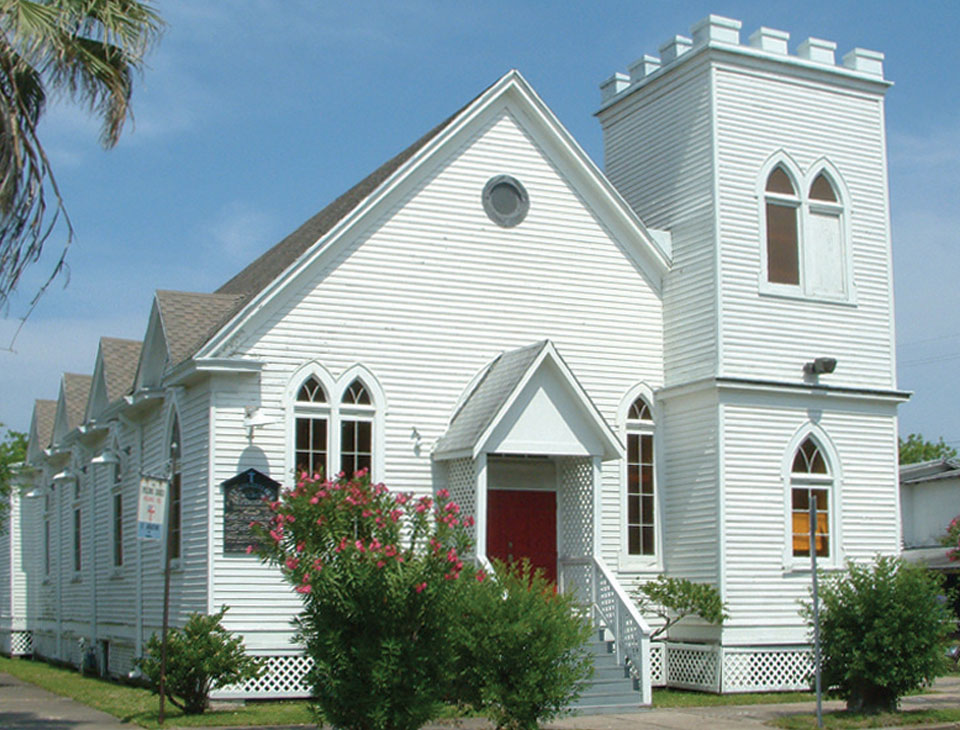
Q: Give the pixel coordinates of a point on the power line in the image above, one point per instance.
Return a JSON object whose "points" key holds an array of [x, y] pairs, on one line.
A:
{"points": [[939, 338], [930, 360]]}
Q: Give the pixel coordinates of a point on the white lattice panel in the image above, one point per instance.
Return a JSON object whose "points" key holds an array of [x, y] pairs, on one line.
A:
{"points": [[21, 643], [658, 675], [693, 666], [576, 506], [766, 669], [462, 483], [283, 678]]}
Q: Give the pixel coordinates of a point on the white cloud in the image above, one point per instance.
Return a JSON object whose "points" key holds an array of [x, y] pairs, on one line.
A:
{"points": [[44, 350], [920, 152], [241, 232]]}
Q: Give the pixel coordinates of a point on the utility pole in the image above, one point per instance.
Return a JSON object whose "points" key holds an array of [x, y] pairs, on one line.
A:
{"points": [[816, 607]]}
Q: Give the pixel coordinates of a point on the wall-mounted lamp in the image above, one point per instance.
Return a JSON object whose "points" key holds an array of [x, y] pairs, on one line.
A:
{"points": [[106, 457], [253, 418], [820, 366]]}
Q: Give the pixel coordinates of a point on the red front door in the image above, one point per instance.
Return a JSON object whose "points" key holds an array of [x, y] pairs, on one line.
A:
{"points": [[523, 524]]}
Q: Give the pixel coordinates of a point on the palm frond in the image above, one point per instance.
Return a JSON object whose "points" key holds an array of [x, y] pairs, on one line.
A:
{"points": [[88, 49]]}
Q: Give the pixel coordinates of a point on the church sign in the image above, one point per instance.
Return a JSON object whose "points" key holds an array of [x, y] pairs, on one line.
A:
{"points": [[246, 499]]}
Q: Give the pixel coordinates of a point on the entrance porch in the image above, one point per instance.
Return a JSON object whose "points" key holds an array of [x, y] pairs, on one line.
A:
{"points": [[523, 454]]}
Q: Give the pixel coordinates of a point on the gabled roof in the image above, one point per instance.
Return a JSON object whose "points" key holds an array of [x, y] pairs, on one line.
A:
{"points": [[491, 403], [268, 274], [276, 260], [41, 427], [190, 318], [76, 388], [71, 404], [481, 406], [119, 365], [930, 471]]}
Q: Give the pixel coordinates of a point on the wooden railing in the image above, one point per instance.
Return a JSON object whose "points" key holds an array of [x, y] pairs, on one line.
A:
{"points": [[595, 586]]}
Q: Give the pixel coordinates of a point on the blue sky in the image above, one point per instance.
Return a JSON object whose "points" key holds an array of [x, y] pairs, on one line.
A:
{"points": [[252, 115]]}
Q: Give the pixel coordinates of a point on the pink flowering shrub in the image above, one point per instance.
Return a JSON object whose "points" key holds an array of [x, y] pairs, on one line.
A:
{"points": [[952, 539], [378, 573]]}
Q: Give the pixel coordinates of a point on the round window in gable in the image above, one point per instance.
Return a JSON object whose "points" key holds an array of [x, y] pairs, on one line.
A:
{"points": [[505, 200]]}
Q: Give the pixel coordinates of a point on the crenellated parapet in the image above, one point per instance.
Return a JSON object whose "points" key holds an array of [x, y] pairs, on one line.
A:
{"points": [[716, 31]]}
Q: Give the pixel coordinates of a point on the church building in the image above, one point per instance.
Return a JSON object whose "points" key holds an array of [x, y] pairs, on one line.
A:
{"points": [[650, 368]]}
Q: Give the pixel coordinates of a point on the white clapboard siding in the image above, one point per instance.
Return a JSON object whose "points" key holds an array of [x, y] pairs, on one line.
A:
{"points": [[757, 115], [116, 585], [760, 590], [658, 154], [425, 297], [7, 537], [688, 487]]}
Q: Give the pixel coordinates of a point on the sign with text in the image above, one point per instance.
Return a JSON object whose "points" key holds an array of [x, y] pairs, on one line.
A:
{"points": [[151, 509], [246, 499]]}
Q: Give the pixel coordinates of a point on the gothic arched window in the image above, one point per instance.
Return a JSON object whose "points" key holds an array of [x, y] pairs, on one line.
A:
{"points": [[641, 515]]}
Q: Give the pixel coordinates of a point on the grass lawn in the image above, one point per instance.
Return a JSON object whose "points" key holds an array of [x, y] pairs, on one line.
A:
{"points": [[133, 704], [843, 719], [685, 698]]}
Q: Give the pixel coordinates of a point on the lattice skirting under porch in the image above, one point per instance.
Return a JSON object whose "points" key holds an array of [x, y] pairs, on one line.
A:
{"points": [[712, 668], [283, 679], [16, 643]]}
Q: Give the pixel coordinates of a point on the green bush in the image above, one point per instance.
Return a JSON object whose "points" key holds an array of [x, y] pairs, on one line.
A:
{"points": [[883, 628], [673, 599], [520, 647], [201, 656], [378, 573]]}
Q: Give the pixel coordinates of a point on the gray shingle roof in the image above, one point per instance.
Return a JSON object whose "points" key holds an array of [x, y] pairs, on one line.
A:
{"points": [[119, 365], [274, 262], [487, 398], [191, 318], [930, 471], [44, 414], [76, 390]]}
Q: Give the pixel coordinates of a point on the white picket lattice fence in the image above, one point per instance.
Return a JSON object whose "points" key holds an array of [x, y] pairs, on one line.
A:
{"points": [[766, 669], [575, 505], [283, 678], [658, 664], [21, 643], [693, 666], [462, 483], [720, 669]]}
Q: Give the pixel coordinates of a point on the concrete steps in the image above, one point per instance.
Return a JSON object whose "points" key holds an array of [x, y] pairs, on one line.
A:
{"points": [[610, 689]]}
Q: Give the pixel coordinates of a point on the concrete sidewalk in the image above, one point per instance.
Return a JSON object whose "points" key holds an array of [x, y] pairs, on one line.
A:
{"points": [[26, 707], [946, 693]]}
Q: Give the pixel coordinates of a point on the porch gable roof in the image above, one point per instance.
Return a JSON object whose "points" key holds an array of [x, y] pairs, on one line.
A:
{"points": [[481, 417]]}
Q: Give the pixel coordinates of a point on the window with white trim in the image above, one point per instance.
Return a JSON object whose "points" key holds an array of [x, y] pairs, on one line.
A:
{"points": [[336, 422], [810, 478], [311, 438], [356, 429], [640, 487], [804, 235]]}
